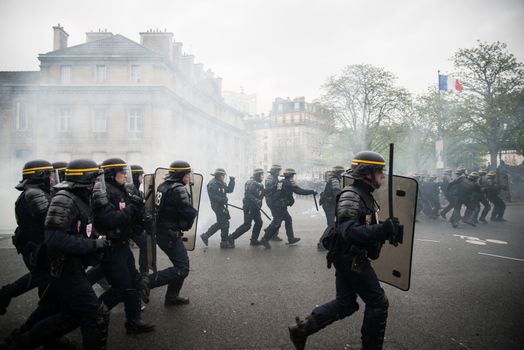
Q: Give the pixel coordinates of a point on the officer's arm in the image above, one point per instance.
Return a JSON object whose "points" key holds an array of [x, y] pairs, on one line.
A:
{"points": [[213, 193], [59, 220], [37, 203], [335, 186], [183, 204], [299, 190], [231, 186], [250, 194], [352, 230], [109, 217]]}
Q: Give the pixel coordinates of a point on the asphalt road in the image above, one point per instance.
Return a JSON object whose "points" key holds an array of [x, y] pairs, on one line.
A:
{"points": [[460, 297]]}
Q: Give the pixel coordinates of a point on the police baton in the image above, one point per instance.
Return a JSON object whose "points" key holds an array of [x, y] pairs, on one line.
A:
{"points": [[398, 237], [315, 200], [239, 208]]}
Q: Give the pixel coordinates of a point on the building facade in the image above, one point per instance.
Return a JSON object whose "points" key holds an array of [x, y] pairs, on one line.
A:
{"points": [[293, 134], [146, 102]]}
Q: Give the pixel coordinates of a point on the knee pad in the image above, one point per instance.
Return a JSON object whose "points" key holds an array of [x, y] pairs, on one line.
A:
{"points": [[183, 272]]}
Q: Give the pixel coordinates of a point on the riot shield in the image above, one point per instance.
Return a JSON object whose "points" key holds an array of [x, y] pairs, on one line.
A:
{"points": [[195, 190], [149, 196], [394, 264]]}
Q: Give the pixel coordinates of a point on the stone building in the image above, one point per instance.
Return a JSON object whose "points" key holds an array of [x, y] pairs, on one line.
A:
{"points": [[293, 134], [146, 102]]}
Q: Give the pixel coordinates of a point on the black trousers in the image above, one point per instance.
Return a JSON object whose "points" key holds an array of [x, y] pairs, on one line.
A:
{"points": [[250, 214], [329, 210], [280, 214], [222, 223], [174, 276]]}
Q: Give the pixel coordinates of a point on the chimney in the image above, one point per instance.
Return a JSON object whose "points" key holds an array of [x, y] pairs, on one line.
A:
{"points": [[101, 34], [59, 38], [187, 64], [177, 52], [161, 42], [199, 71]]}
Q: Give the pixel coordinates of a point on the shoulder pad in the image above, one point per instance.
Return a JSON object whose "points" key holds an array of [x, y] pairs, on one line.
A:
{"points": [[37, 200], [61, 210]]}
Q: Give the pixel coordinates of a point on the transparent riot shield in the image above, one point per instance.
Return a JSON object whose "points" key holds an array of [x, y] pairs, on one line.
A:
{"points": [[394, 264], [195, 190], [149, 196]]}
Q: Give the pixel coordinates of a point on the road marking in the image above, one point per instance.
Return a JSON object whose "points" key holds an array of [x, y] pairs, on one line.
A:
{"points": [[496, 241], [427, 240], [477, 242], [500, 256]]}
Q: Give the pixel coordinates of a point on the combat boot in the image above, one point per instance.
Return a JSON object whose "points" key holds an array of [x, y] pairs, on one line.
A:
{"points": [[299, 332], [255, 242], [275, 238], [226, 245], [178, 300], [265, 243], [293, 240], [204, 238], [137, 326], [483, 220]]}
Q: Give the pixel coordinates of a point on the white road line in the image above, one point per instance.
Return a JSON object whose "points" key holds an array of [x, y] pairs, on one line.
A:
{"points": [[500, 256], [427, 240]]}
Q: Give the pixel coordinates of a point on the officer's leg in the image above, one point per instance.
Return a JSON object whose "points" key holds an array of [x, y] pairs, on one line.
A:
{"points": [[455, 217], [223, 221], [246, 225], [288, 222], [272, 229], [276, 210], [12, 290], [141, 242], [486, 209], [256, 227], [212, 229], [177, 253], [343, 306], [367, 286], [330, 220]]}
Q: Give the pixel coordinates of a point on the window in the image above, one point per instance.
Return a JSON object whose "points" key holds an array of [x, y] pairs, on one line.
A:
{"points": [[65, 74], [101, 74], [22, 117], [280, 107], [99, 120], [64, 120], [135, 120], [297, 106], [135, 74]]}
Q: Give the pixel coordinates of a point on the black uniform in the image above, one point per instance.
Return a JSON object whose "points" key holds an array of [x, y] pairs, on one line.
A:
{"points": [[485, 202], [283, 198], [217, 191], [458, 191], [444, 187], [472, 201], [432, 192], [115, 217], [272, 197], [361, 239], [328, 200], [253, 195], [30, 209], [175, 214], [492, 191], [69, 301]]}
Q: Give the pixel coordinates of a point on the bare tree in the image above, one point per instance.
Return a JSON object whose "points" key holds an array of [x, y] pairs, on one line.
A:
{"points": [[364, 98]]}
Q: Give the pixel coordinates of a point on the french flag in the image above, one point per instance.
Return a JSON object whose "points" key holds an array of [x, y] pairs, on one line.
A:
{"points": [[448, 83]]}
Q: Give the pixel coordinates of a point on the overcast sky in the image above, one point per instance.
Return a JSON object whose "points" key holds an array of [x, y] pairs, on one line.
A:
{"points": [[277, 47]]}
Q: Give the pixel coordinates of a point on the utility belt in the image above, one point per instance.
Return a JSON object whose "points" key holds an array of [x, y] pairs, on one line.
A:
{"points": [[61, 264]]}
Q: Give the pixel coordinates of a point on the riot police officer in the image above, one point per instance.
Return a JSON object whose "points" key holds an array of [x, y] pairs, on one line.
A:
{"points": [[457, 191], [360, 238], [30, 209], [472, 200], [175, 214], [217, 189], [252, 203], [60, 168], [493, 194], [284, 199], [271, 194], [117, 211], [485, 202], [432, 197], [444, 187], [69, 300], [328, 198]]}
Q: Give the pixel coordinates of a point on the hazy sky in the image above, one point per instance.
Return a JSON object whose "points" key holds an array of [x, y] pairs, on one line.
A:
{"points": [[277, 47]]}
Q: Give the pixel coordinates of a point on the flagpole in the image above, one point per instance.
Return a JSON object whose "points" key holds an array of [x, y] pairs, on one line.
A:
{"points": [[439, 127]]}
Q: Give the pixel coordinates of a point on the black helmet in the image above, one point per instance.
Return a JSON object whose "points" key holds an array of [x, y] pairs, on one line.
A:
{"points": [[112, 166], [218, 172], [460, 171], [338, 169], [275, 169], [258, 173], [367, 163], [136, 171], [36, 171], [289, 172], [82, 172], [473, 176], [178, 169], [60, 167]]}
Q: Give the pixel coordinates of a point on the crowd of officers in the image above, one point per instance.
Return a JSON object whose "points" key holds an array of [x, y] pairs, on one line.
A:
{"points": [[477, 191], [76, 221]]}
